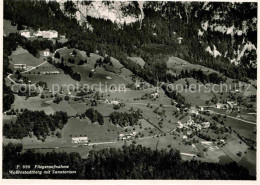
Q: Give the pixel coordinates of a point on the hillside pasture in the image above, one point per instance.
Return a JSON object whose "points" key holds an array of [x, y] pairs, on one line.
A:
{"points": [[54, 82], [22, 57], [8, 28], [100, 77], [137, 60], [232, 147], [32, 103], [66, 54], [196, 93], [176, 65], [65, 107]]}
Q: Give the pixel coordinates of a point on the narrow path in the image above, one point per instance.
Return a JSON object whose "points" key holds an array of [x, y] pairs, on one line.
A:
{"points": [[9, 77], [234, 118], [34, 67], [150, 104]]}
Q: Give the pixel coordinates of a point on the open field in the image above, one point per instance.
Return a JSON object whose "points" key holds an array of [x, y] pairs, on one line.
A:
{"points": [[137, 60], [8, 28], [21, 56], [57, 81], [32, 103], [244, 129], [232, 147], [196, 94], [249, 161], [176, 65]]}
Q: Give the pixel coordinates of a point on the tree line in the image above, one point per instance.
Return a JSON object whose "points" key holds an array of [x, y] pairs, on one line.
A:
{"points": [[94, 116], [124, 119], [34, 122], [129, 162]]}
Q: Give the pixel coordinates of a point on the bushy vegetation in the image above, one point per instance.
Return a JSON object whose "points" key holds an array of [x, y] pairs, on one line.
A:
{"points": [[198, 75], [68, 70], [130, 162], [34, 122], [94, 116], [8, 97], [124, 119]]}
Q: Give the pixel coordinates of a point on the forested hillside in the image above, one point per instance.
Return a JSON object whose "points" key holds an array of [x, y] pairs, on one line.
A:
{"points": [[131, 162], [221, 36]]}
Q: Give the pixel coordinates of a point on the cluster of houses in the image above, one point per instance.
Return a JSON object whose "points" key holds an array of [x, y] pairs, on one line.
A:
{"points": [[49, 34], [124, 137], [190, 124], [228, 105]]}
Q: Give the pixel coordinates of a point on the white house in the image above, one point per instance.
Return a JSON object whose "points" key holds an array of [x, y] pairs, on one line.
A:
{"points": [[155, 95], [219, 105], [222, 141], [114, 102], [193, 110], [79, 139], [180, 125], [46, 53], [180, 39], [25, 33], [205, 124]]}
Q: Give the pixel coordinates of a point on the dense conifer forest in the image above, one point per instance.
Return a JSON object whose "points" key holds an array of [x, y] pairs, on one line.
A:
{"points": [[130, 162]]}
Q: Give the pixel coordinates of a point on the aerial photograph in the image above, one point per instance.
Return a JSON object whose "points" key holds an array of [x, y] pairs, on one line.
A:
{"points": [[119, 90]]}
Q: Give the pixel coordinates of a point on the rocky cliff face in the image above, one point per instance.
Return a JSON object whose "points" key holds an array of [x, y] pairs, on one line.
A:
{"points": [[226, 30]]}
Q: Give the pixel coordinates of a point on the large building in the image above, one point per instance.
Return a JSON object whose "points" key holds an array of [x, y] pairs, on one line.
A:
{"points": [[50, 34], [79, 139], [20, 66]]}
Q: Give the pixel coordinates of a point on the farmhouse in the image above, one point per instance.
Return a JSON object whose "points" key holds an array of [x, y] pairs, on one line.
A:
{"points": [[193, 111], [201, 108], [46, 53], [205, 124], [222, 141], [180, 125], [79, 139], [115, 102], [121, 136], [180, 39], [25, 33], [127, 136], [155, 95], [219, 105]]}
